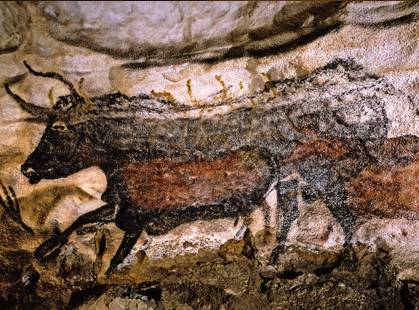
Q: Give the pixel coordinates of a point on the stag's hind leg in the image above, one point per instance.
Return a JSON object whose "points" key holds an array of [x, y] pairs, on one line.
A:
{"points": [[103, 214], [335, 198], [243, 228], [331, 187], [287, 193]]}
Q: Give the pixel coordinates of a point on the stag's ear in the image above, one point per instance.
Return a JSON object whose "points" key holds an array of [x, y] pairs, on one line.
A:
{"points": [[64, 103], [59, 126]]}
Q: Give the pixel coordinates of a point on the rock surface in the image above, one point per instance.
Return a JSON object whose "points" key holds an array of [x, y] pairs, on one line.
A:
{"points": [[195, 30], [14, 22], [220, 56]]}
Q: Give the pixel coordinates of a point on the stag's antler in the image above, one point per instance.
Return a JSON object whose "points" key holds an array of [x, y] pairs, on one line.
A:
{"points": [[54, 75], [38, 112]]}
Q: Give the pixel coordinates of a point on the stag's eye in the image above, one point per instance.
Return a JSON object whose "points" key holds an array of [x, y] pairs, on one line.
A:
{"points": [[59, 126]]}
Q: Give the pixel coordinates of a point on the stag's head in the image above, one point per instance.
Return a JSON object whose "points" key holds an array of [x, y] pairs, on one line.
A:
{"points": [[64, 147]]}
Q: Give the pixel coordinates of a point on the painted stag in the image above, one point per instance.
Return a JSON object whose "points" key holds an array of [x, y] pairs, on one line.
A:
{"points": [[166, 166]]}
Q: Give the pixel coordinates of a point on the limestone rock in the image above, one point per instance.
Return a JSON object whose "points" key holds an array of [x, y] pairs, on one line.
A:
{"points": [[234, 27], [13, 26], [342, 77]]}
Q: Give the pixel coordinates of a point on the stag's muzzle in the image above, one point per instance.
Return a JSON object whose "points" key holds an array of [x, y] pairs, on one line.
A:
{"points": [[31, 174]]}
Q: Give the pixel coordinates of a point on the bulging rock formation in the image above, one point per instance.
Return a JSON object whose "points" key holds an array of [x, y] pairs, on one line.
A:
{"points": [[233, 155]]}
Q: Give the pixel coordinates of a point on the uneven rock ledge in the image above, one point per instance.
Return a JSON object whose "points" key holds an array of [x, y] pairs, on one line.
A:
{"points": [[344, 81], [233, 277]]}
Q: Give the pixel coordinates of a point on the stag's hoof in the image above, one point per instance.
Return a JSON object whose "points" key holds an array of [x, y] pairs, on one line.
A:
{"points": [[240, 233], [275, 253], [29, 277], [268, 272], [110, 270], [49, 247]]}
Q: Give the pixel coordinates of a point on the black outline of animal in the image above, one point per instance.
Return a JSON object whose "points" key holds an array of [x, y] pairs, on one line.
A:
{"points": [[102, 125]]}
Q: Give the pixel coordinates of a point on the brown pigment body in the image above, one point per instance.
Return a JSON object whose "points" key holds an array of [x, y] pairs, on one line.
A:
{"points": [[387, 188], [328, 148], [167, 184]]}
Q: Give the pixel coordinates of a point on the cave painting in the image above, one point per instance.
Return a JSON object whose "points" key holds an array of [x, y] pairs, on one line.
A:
{"points": [[164, 169]]}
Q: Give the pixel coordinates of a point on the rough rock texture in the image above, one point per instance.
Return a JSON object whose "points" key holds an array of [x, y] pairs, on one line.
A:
{"points": [[351, 135], [195, 30], [14, 21]]}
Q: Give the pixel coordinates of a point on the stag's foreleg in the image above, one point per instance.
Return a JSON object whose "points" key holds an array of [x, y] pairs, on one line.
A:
{"points": [[11, 206], [128, 242], [103, 214]]}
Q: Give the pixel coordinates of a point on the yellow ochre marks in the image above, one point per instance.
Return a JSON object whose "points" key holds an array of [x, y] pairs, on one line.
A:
{"points": [[189, 90], [254, 102], [266, 75], [165, 95], [51, 96], [81, 81], [81, 91], [273, 92], [223, 85], [84, 107]]}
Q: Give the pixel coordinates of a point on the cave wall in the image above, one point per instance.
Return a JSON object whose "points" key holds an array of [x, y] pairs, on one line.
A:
{"points": [[196, 55]]}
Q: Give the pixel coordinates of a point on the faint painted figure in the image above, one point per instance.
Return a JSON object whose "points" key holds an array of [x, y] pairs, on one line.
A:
{"points": [[164, 169]]}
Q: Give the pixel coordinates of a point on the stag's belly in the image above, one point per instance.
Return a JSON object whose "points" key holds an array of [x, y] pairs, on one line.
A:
{"points": [[164, 184], [386, 192]]}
